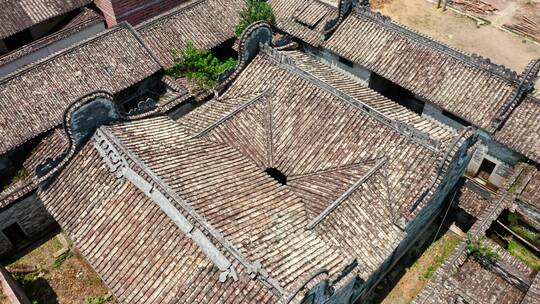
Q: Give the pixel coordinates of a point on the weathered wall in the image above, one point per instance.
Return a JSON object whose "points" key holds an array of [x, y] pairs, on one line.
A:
{"points": [[434, 112], [428, 214], [501, 156], [31, 215], [49, 49]]}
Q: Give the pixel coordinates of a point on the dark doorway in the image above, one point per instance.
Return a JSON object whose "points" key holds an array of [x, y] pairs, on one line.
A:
{"points": [[396, 93], [225, 50], [277, 175], [15, 235], [486, 168]]}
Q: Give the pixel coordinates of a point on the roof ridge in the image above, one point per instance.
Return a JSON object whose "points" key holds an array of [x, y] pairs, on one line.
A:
{"points": [[254, 269], [524, 88], [25, 69], [498, 70], [174, 11], [406, 129], [49, 39]]}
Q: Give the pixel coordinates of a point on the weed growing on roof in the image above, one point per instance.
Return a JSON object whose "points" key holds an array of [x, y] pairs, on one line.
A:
{"points": [[200, 67], [255, 10], [480, 250], [524, 254]]}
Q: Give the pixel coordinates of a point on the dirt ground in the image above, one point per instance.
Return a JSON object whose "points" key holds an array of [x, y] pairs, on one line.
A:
{"points": [[67, 279], [462, 32], [417, 276]]}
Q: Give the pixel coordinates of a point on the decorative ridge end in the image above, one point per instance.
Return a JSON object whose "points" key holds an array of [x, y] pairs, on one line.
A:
{"points": [[80, 121], [344, 8], [526, 85], [257, 33]]}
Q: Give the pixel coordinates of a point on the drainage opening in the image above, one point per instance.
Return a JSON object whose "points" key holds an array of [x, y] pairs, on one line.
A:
{"points": [[277, 175]]}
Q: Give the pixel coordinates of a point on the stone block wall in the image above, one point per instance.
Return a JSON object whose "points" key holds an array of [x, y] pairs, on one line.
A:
{"points": [[32, 217]]}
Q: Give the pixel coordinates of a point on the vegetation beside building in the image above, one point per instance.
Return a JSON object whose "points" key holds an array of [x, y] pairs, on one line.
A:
{"points": [[255, 10], [200, 67]]}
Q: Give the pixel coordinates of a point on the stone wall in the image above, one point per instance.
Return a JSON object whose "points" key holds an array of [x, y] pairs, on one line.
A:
{"points": [[32, 217], [429, 213], [501, 156]]}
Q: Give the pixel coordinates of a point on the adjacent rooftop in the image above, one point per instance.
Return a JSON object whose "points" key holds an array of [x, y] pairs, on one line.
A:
{"points": [[32, 100], [274, 177]]}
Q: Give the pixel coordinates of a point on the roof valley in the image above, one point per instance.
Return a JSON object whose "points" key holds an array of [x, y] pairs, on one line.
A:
{"points": [[406, 129]]}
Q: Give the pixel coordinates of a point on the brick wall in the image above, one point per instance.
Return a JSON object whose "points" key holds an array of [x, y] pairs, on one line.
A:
{"points": [[134, 11], [31, 216]]}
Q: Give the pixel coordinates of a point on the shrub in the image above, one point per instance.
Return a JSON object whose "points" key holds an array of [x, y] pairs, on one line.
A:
{"points": [[255, 10], [200, 67]]}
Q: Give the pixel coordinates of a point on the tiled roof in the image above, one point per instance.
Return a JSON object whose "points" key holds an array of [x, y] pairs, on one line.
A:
{"points": [[521, 131], [304, 19], [135, 248], [482, 285], [533, 294], [17, 15], [176, 94], [466, 278], [211, 166], [471, 202], [50, 147], [531, 190], [206, 23], [86, 18], [32, 100], [468, 86]]}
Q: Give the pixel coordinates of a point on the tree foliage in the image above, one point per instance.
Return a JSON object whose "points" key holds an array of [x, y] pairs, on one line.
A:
{"points": [[200, 67], [255, 10]]}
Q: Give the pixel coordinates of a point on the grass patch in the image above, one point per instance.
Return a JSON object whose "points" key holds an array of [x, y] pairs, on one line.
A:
{"points": [[443, 250], [514, 225], [524, 254], [524, 233], [99, 300], [62, 279], [480, 250], [19, 175], [61, 259]]}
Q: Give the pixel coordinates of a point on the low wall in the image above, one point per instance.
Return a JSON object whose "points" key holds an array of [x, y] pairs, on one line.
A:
{"points": [[10, 288]]}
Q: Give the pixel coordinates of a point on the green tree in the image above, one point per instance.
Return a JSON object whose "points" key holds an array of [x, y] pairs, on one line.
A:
{"points": [[200, 67], [255, 10]]}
